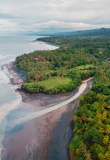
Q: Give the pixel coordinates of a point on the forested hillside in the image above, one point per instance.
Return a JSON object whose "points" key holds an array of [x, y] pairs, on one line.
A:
{"points": [[98, 46]]}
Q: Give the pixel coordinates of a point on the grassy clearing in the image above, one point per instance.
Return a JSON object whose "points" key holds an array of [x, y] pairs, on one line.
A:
{"points": [[84, 66], [53, 82]]}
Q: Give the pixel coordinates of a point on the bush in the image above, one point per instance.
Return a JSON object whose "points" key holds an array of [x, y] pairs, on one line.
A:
{"points": [[33, 87]]}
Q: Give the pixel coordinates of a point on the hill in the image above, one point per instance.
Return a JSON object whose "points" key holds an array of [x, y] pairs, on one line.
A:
{"points": [[88, 33]]}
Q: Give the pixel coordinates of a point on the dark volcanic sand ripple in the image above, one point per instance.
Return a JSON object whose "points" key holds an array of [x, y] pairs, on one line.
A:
{"points": [[43, 138]]}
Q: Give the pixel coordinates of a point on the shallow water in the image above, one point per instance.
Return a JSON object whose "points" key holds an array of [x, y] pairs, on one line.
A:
{"points": [[10, 110]]}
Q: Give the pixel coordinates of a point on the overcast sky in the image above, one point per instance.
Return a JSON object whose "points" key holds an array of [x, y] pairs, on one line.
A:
{"points": [[67, 15]]}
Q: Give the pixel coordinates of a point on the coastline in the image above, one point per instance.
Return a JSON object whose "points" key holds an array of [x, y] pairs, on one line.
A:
{"points": [[47, 43], [40, 99], [18, 76], [48, 129]]}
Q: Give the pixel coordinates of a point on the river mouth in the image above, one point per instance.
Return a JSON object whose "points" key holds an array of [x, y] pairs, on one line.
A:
{"points": [[31, 137]]}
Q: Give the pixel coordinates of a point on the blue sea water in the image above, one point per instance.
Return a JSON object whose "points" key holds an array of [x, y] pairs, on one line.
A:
{"points": [[10, 47]]}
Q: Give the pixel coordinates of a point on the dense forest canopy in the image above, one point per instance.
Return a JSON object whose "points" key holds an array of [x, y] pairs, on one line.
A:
{"points": [[98, 46], [91, 139]]}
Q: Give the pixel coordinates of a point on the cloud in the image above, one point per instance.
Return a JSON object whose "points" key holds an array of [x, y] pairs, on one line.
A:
{"points": [[5, 25], [24, 15], [61, 24]]}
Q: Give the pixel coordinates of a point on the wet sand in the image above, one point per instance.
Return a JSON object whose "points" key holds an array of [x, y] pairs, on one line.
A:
{"points": [[32, 141], [46, 137]]}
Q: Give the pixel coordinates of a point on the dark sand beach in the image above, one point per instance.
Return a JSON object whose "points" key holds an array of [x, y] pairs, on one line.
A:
{"points": [[46, 137]]}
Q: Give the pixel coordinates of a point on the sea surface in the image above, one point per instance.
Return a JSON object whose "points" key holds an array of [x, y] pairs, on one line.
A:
{"points": [[11, 114]]}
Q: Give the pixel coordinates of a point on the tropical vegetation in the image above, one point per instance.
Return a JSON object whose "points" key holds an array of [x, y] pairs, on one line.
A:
{"points": [[61, 71]]}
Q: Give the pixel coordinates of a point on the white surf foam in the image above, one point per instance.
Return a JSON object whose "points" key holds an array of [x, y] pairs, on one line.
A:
{"points": [[3, 78], [4, 110], [1, 57]]}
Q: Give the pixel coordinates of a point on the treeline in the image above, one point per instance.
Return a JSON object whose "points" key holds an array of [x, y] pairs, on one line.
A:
{"points": [[91, 139], [98, 46], [102, 80], [55, 59], [73, 75]]}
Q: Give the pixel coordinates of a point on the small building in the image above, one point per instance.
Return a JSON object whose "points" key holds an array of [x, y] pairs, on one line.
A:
{"points": [[37, 59]]}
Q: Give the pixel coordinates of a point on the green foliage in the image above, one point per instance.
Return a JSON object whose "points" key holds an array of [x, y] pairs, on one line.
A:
{"points": [[91, 131], [92, 120], [78, 58], [33, 87], [74, 81], [98, 46], [55, 81], [91, 139], [88, 98], [62, 62]]}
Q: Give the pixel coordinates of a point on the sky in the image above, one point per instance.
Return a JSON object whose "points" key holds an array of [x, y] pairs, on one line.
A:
{"points": [[27, 16]]}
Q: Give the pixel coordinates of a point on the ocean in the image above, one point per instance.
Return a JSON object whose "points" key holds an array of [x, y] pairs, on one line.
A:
{"points": [[11, 114]]}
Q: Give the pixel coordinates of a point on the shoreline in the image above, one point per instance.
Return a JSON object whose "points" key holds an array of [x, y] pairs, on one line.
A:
{"points": [[18, 76], [39, 99], [45, 125], [47, 43], [42, 137]]}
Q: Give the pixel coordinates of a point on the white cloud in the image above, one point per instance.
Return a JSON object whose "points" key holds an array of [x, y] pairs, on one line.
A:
{"points": [[7, 25], [38, 14], [61, 24]]}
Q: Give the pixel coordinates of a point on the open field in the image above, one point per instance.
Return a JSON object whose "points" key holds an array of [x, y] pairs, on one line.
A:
{"points": [[84, 67], [53, 82]]}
